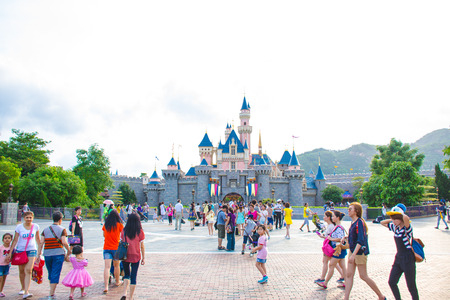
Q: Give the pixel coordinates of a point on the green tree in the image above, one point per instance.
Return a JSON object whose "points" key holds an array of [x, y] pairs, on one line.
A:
{"points": [[9, 173], [400, 184], [394, 152], [26, 150], [128, 194], [372, 191], [332, 193], [442, 183], [93, 167], [447, 161], [52, 186]]}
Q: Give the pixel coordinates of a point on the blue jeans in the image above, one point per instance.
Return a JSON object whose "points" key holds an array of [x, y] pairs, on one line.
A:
{"points": [[230, 240], [439, 220], [134, 269], [54, 265]]}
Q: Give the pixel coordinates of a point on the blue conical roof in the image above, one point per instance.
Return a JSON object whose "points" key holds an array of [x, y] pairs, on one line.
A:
{"points": [[245, 145], [191, 172], [245, 105], [239, 146], [205, 142], [172, 162], [154, 175], [320, 175], [178, 164], [285, 159], [204, 162], [294, 160]]}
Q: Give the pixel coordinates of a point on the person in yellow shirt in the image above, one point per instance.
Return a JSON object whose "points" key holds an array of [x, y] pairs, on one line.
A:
{"points": [[288, 218], [306, 213]]}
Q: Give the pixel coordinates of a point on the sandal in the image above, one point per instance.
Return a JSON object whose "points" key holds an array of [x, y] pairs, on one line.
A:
{"points": [[322, 284], [117, 285], [105, 292], [83, 294], [71, 297]]}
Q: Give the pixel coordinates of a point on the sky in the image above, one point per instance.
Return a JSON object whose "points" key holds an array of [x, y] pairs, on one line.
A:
{"points": [[146, 79]]}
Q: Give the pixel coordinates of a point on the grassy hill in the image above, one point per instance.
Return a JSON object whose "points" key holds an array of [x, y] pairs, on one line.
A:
{"points": [[357, 158]]}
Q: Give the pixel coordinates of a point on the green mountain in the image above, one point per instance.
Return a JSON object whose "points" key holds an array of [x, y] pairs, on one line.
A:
{"points": [[357, 158]]}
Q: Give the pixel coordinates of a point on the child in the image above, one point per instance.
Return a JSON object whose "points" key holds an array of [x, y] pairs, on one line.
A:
{"points": [[288, 212], [261, 258], [78, 277], [4, 261], [250, 226], [155, 215]]}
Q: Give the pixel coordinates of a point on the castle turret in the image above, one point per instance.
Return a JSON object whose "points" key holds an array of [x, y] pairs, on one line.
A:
{"points": [[260, 145], [293, 163], [227, 131], [172, 165], [245, 130], [206, 149], [154, 190], [320, 182]]}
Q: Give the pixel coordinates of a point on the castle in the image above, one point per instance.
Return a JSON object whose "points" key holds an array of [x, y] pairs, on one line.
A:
{"points": [[231, 171]]}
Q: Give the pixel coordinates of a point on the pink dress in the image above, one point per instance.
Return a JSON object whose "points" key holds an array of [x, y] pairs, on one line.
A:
{"points": [[78, 277]]}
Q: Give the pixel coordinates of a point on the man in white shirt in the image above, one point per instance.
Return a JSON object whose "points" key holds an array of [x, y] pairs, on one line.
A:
{"points": [[277, 210], [163, 211], [178, 215]]}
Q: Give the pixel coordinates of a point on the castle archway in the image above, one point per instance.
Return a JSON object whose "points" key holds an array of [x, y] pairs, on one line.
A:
{"points": [[233, 197]]}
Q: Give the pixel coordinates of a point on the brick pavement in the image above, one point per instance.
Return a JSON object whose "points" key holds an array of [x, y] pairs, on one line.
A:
{"points": [[177, 268]]}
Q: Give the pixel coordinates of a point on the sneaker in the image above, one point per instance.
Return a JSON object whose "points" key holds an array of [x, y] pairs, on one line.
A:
{"points": [[340, 280], [2, 295], [342, 285], [446, 228], [242, 252], [436, 227], [301, 229], [26, 296], [21, 292], [322, 284], [264, 279], [319, 280], [251, 254]]}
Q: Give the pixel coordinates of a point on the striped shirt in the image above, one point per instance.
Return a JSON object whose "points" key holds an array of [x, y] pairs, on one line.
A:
{"points": [[52, 246], [404, 233]]}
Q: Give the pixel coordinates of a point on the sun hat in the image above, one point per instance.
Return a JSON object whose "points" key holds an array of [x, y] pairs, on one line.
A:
{"points": [[399, 209], [279, 200]]}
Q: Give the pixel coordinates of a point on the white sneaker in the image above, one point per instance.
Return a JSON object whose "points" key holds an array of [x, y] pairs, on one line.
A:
{"points": [[21, 292], [25, 296]]}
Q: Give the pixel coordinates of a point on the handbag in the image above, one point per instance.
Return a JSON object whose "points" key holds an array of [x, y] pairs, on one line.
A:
{"points": [[327, 249], [122, 250], [74, 239], [21, 258], [229, 229], [38, 271]]}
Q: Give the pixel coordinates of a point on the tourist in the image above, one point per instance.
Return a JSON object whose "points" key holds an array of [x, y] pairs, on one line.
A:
{"points": [[163, 211], [198, 211], [170, 213], [26, 238], [327, 217], [78, 277], [205, 212], [230, 226], [134, 236], [210, 218], [240, 219], [287, 212], [405, 261], [335, 236], [54, 240], [192, 215], [264, 215], [4, 262], [106, 210], [441, 212], [270, 217], [278, 210], [384, 211], [158, 210], [145, 209], [77, 228], [155, 215], [221, 220], [359, 249], [178, 214], [249, 228], [130, 209], [261, 258], [306, 213], [122, 213], [254, 213], [111, 232]]}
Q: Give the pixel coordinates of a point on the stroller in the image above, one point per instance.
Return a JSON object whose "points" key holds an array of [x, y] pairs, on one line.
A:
{"points": [[320, 227], [142, 216]]}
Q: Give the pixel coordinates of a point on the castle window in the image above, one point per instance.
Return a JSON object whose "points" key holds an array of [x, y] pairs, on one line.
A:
{"points": [[233, 150], [233, 165]]}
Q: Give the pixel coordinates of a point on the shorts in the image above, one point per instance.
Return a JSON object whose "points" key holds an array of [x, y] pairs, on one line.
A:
{"points": [[54, 265], [306, 221], [30, 253], [260, 260], [361, 259], [4, 270], [221, 229], [109, 254], [270, 221], [245, 239], [343, 254]]}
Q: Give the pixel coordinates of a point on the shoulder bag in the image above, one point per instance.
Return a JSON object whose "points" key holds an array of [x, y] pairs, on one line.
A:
{"points": [[122, 250], [21, 258]]}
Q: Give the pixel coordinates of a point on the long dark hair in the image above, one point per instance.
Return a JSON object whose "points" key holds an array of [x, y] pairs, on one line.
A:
{"points": [[111, 220], [133, 227]]}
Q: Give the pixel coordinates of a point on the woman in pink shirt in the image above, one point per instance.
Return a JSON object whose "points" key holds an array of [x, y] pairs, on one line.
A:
{"points": [[170, 213]]}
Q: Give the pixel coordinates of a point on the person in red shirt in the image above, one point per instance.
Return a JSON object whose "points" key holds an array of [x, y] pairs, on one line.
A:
{"points": [[111, 231], [134, 236]]}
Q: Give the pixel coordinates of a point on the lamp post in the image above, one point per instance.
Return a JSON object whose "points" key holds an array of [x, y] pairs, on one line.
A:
{"points": [[273, 194], [193, 194], [360, 194], [11, 186]]}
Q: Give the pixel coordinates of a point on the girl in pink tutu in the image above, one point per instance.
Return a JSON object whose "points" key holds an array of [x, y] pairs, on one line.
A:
{"points": [[78, 277]]}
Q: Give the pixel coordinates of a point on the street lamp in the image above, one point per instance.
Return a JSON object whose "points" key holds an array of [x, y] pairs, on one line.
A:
{"points": [[193, 194], [273, 194], [360, 194], [11, 186]]}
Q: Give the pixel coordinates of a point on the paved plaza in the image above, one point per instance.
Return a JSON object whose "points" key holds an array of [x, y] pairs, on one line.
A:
{"points": [[186, 265]]}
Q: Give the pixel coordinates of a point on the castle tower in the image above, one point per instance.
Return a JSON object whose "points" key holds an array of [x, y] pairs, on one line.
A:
{"points": [[154, 190], [260, 145], [227, 131], [293, 163], [172, 165], [245, 130], [206, 149], [320, 182]]}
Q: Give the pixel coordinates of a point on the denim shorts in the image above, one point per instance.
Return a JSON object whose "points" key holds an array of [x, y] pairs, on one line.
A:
{"points": [[109, 254], [4, 270], [54, 265], [343, 254], [270, 220], [260, 260], [30, 253]]}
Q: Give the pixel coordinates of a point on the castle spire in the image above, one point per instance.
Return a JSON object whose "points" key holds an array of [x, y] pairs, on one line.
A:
{"points": [[260, 145]]}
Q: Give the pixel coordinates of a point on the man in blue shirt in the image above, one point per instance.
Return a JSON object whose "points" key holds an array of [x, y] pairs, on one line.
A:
{"points": [[221, 220]]}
